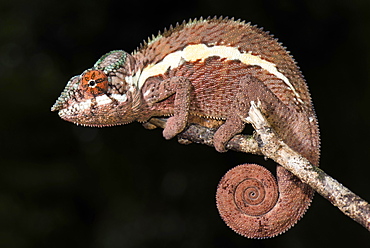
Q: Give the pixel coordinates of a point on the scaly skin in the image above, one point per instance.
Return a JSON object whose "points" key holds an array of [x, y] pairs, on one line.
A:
{"points": [[209, 69]]}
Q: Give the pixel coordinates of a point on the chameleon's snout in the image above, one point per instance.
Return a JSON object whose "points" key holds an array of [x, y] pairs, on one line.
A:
{"points": [[62, 101], [56, 107], [59, 104]]}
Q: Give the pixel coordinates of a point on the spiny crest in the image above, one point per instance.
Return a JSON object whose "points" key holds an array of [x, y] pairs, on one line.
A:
{"points": [[172, 29]]}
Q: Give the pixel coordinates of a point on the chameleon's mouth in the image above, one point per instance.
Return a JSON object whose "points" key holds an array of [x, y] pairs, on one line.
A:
{"points": [[86, 120], [79, 119], [89, 113]]}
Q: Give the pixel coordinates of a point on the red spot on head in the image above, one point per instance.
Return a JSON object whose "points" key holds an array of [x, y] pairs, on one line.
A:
{"points": [[94, 82]]}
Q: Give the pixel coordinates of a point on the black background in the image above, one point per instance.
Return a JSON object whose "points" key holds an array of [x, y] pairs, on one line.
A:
{"points": [[68, 186]]}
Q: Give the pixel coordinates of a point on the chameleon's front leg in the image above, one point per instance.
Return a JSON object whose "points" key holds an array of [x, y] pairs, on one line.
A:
{"points": [[181, 87]]}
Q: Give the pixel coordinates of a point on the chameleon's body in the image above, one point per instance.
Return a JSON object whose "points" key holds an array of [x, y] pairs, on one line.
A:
{"points": [[207, 70]]}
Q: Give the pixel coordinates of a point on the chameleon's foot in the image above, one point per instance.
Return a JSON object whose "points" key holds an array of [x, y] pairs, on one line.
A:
{"points": [[225, 132], [219, 146], [173, 127]]}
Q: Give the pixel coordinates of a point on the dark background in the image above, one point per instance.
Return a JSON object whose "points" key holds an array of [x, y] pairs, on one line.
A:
{"points": [[68, 186]]}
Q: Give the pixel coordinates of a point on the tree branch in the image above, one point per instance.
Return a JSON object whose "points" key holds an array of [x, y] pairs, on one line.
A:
{"points": [[340, 196], [265, 142]]}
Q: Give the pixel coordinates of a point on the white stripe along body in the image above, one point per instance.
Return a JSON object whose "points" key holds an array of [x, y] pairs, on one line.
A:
{"points": [[208, 72]]}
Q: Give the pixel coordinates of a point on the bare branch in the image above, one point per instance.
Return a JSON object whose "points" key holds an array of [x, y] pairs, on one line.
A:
{"points": [[272, 147]]}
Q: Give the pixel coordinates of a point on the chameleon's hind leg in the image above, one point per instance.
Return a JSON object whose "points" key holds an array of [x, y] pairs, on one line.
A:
{"points": [[252, 89]]}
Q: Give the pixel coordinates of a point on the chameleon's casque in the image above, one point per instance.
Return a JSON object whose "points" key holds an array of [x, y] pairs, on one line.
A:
{"points": [[210, 70]]}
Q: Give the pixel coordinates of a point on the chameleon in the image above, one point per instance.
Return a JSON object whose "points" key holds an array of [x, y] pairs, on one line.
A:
{"points": [[207, 71]]}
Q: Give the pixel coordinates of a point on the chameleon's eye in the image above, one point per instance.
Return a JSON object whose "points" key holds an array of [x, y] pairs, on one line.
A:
{"points": [[94, 82]]}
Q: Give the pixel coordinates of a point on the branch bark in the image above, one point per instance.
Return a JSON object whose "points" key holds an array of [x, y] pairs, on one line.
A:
{"points": [[265, 142]]}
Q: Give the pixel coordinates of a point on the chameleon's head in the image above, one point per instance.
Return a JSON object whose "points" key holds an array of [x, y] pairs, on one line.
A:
{"points": [[104, 95]]}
